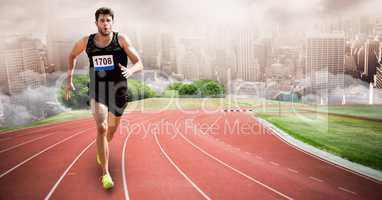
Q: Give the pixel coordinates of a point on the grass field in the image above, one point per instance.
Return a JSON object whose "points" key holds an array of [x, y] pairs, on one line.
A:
{"points": [[369, 111], [356, 110], [356, 140]]}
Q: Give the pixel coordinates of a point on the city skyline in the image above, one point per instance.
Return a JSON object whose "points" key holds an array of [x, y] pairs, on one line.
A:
{"points": [[249, 50]]}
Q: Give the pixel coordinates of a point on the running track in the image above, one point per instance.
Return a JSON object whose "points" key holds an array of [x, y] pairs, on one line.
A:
{"points": [[171, 155]]}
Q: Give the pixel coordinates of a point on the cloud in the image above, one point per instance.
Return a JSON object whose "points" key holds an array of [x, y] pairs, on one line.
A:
{"points": [[331, 7], [32, 16], [29, 105]]}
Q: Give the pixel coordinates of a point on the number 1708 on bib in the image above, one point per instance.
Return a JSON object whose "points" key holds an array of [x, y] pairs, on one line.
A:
{"points": [[103, 63]]}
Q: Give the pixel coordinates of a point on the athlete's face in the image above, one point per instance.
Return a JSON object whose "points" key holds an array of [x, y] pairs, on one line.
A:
{"points": [[104, 24]]}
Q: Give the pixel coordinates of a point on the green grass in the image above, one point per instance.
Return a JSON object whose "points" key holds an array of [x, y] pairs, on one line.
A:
{"points": [[353, 139], [364, 110], [65, 116], [369, 111]]}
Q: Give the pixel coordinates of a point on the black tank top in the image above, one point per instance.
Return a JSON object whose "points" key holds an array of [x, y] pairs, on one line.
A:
{"points": [[104, 61]]}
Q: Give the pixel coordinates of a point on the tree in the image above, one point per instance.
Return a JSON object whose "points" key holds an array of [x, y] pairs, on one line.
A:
{"points": [[211, 89], [175, 86], [136, 90], [80, 96], [188, 89]]}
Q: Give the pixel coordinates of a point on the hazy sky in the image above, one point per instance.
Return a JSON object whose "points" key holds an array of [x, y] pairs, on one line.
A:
{"points": [[25, 16]]}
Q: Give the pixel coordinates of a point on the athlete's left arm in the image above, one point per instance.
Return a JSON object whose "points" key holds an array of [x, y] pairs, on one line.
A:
{"points": [[132, 54]]}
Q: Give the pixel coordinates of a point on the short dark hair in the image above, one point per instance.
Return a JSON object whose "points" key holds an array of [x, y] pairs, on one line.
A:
{"points": [[104, 11]]}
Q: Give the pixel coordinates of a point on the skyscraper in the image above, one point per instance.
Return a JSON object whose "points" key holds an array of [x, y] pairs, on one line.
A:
{"points": [[61, 39], [247, 67], [370, 60], [378, 29], [191, 61], [365, 25], [23, 65], [167, 53], [150, 48], [263, 53], [224, 54], [378, 77], [325, 61]]}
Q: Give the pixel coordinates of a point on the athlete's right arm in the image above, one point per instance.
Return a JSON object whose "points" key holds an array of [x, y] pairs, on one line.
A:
{"points": [[78, 48]]}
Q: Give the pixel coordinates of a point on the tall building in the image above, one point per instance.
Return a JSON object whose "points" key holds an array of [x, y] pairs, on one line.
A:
{"points": [[365, 25], [288, 57], [378, 77], [263, 53], [378, 29], [360, 60], [61, 39], [23, 65], [247, 67], [150, 41], [325, 61], [225, 63], [192, 61], [225, 57], [168, 53], [370, 60]]}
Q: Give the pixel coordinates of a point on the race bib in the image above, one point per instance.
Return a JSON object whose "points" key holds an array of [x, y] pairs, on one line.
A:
{"points": [[103, 63]]}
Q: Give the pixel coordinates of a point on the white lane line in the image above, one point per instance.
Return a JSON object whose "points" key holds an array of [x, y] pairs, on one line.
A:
{"points": [[26, 142], [67, 170], [37, 154], [274, 163], [125, 190], [316, 179], [347, 190], [293, 170], [234, 169], [179, 170]]}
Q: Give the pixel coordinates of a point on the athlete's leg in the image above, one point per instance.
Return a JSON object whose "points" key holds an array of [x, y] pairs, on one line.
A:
{"points": [[117, 105], [113, 123], [100, 113]]}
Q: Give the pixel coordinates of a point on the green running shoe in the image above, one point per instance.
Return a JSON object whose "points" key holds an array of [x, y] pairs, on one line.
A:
{"points": [[107, 182]]}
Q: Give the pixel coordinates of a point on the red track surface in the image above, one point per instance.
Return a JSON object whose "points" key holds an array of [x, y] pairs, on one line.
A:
{"points": [[171, 155]]}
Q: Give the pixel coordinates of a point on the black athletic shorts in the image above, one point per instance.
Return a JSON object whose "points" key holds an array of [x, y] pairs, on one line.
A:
{"points": [[111, 94]]}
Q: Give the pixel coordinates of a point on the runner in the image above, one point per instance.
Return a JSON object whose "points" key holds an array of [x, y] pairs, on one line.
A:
{"points": [[108, 54]]}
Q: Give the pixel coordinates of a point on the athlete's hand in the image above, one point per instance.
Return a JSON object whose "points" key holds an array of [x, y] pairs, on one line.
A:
{"points": [[69, 89], [126, 72]]}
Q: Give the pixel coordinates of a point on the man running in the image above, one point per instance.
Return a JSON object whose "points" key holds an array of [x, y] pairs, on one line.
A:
{"points": [[108, 54]]}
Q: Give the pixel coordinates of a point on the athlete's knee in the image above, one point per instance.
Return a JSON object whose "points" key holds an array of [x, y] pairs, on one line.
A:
{"points": [[102, 127]]}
